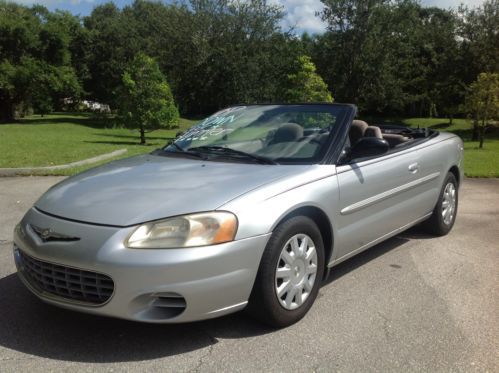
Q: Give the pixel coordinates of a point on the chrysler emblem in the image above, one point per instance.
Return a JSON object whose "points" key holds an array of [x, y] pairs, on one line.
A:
{"points": [[47, 234]]}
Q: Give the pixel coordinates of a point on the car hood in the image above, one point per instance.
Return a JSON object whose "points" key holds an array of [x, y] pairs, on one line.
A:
{"points": [[150, 187]]}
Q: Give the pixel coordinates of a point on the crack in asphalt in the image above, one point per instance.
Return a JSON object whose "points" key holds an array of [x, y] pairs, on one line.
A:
{"points": [[202, 358], [200, 362], [386, 325]]}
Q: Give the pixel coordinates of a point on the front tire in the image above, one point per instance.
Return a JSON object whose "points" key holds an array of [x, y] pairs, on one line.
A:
{"points": [[444, 214], [290, 273]]}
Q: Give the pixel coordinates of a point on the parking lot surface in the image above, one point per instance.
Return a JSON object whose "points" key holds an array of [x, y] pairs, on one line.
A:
{"points": [[412, 303]]}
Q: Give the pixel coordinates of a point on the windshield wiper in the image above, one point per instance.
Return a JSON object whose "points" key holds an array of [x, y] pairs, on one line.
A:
{"points": [[179, 149], [233, 153], [177, 146]]}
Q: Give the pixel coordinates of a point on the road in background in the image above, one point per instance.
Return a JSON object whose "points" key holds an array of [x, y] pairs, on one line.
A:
{"points": [[412, 303]]}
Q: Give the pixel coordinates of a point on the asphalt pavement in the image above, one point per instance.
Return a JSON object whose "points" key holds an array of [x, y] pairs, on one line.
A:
{"points": [[412, 303]]}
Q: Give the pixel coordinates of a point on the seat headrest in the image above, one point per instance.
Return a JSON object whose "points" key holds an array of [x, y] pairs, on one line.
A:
{"points": [[359, 123], [357, 130], [373, 131], [288, 132]]}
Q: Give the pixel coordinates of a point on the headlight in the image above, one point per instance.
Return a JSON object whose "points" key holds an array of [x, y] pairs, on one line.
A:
{"points": [[185, 231]]}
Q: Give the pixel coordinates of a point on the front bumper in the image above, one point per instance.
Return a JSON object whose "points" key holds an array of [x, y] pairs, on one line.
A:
{"points": [[212, 280]]}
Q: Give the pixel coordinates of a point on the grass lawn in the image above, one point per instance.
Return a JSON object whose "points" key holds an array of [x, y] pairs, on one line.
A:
{"points": [[63, 138]]}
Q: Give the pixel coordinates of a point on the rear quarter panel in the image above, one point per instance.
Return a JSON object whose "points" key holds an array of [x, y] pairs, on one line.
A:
{"points": [[440, 154]]}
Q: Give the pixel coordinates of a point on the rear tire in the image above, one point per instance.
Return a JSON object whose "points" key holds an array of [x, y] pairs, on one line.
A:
{"points": [[444, 214], [290, 273]]}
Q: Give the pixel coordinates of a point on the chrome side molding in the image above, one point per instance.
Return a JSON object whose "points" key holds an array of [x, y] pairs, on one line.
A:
{"points": [[389, 193]]}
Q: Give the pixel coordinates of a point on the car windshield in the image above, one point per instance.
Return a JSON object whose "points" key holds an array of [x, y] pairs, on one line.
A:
{"points": [[263, 133]]}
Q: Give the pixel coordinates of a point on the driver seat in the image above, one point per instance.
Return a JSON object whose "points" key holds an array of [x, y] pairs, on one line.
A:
{"points": [[288, 132]]}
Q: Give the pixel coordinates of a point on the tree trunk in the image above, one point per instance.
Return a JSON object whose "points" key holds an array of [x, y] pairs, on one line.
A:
{"points": [[451, 118], [474, 133], [481, 134], [142, 136]]}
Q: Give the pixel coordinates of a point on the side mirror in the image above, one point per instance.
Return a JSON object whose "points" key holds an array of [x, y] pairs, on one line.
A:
{"points": [[368, 147]]}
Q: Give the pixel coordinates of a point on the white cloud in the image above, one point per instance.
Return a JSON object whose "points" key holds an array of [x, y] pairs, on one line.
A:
{"points": [[451, 3], [301, 15], [52, 3], [41, 2]]}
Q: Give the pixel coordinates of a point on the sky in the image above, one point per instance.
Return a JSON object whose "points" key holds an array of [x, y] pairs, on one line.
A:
{"points": [[300, 14]]}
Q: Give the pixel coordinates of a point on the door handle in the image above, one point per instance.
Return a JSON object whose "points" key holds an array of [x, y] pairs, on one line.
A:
{"points": [[414, 167]]}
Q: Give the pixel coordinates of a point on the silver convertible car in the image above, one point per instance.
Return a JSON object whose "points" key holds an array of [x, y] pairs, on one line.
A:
{"points": [[250, 208]]}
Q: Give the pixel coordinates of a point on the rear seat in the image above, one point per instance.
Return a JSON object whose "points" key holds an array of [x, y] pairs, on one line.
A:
{"points": [[394, 140], [360, 129]]}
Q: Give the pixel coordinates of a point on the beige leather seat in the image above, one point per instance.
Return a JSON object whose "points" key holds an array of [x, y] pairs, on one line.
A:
{"points": [[360, 129], [394, 139], [373, 131], [288, 132], [357, 130]]}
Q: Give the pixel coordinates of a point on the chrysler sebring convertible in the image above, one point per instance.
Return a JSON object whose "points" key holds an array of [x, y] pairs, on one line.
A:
{"points": [[249, 209]]}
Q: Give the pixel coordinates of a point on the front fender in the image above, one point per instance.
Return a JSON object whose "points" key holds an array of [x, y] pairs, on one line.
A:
{"points": [[260, 211]]}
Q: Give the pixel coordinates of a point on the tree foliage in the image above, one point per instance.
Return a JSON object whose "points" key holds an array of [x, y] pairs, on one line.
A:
{"points": [[146, 101], [35, 59], [215, 53], [479, 31], [305, 85], [396, 57], [483, 101], [386, 56]]}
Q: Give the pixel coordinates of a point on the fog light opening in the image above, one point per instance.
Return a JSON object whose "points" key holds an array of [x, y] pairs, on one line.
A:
{"points": [[159, 306]]}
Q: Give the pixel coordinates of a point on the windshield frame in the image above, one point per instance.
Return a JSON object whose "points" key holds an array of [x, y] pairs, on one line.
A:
{"points": [[331, 149]]}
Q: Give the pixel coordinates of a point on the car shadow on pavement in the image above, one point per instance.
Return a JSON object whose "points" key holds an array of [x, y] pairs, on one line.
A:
{"points": [[30, 326], [364, 257], [33, 327]]}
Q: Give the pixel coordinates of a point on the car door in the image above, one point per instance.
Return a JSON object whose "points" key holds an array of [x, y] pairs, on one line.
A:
{"points": [[376, 197]]}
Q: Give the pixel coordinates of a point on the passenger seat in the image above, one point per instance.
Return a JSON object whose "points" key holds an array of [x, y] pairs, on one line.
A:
{"points": [[373, 131], [288, 132], [356, 131]]}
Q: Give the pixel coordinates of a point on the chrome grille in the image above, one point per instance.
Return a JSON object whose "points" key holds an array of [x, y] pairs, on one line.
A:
{"points": [[66, 282]]}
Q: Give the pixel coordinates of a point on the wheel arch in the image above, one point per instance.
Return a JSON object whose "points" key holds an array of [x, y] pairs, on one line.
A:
{"points": [[323, 223], [455, 171]]}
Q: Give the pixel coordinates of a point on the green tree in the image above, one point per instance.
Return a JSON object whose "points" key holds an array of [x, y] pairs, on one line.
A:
{"points": [[235, 52], [352, 54], [146, 101], [35, 60], [478, 28], [483, 101], [305, 85], [479, 31], [214, 52], [111, 41], [391, 56]]}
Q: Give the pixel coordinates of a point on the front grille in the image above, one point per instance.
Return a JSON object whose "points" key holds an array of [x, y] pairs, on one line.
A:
{"points": [[66, 282]]}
